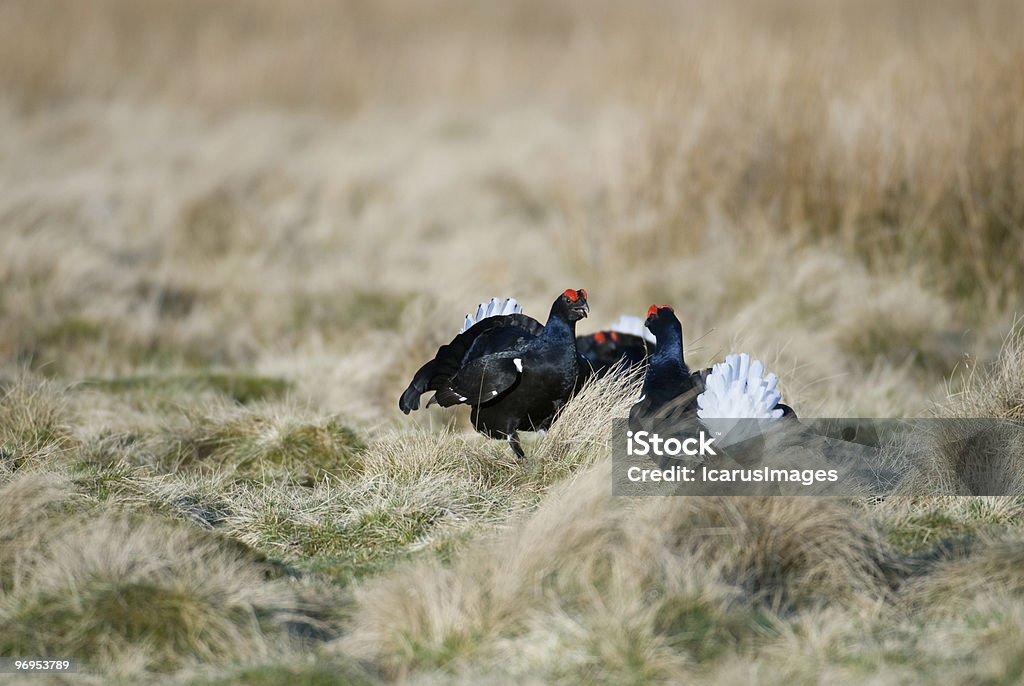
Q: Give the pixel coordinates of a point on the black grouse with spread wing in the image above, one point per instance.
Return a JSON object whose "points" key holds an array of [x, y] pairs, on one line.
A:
{"points": [[513, 371]]}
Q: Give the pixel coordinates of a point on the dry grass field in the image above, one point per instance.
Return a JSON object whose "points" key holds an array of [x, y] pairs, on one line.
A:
{"points": [[231, 231]]}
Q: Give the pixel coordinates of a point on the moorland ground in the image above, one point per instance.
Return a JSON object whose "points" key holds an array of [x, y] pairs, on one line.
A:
{"points": [[229, 234]]}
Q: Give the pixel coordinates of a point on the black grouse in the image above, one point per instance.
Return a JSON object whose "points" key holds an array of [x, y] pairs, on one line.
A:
{"points": [[734, 388], [624, 343], [676, 400], [513, 371]]}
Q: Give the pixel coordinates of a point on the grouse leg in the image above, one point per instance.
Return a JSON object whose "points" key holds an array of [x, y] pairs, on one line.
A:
{"points": [[517, 448]]}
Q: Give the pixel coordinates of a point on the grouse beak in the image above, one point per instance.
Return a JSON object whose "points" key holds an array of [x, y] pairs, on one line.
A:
{"points": [[582, 308]]}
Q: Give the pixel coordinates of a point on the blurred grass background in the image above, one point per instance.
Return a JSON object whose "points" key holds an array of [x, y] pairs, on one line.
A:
{"points": [[882, 127], [836, 185]]}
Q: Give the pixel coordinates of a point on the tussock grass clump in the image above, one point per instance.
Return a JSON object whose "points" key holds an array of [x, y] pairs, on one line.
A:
{"points": [[259, 444], [990, 570], [104, 586], [782, 552], [419, 493], [582, 433], [113, 482], [34, 425], [964, 457], [204, 502], [976, 445], [688, 578], [428, 615], [917, 524], [899, 324], [27, 504], [347, 548], [996, 391]]}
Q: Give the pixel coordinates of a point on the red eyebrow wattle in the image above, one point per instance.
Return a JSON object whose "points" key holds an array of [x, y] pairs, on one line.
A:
{"points": [[571, 295]]}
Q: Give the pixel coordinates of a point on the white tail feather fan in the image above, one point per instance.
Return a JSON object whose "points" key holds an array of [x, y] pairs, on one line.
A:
{"points": [[633, 326], [494, 308], [738, 389]]}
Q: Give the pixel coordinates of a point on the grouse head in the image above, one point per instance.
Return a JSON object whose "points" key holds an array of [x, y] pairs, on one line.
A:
{"points": [[571, 305], [606, 342], [662, 320]]}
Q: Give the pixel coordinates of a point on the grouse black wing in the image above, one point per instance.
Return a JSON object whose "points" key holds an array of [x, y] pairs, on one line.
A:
{"points": [[480, 380], [486, 337]]}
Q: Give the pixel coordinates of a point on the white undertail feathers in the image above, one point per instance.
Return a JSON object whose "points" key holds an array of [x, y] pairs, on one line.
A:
{"points": [[494, 308], [738, 389]]}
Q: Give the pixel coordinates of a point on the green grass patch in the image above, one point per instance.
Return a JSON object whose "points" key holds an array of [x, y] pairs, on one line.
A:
{"points": [[44, 346], [170, 621], [927, 529], [113, 481], [256, 447], [344, 552], [363, 562], [443, 654], [704, 630], [69, 332], [327, 673], [243, 388]]}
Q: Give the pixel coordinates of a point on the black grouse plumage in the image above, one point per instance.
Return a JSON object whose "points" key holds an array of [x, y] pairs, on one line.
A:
{"points": [[670, 388], [668, 400], [668, 406], [513, 371], [605, 349], [669, 385]]}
